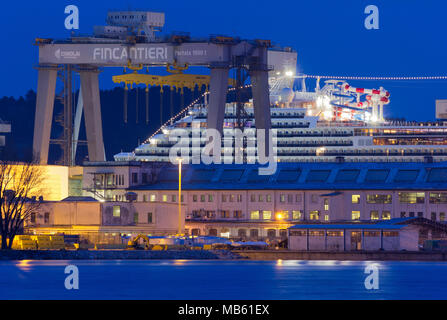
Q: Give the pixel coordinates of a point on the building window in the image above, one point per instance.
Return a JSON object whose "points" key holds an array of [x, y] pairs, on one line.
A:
{"points": [[379, 198], [173, 198], [371, 233], [46, 217], [144, 177], [298, 198], [433, 216], [403, 214], [239, 198], [314, 198], [271, 233], [391, 233], [374, 215], [242, 233], [134, 177], [267, 215], [326, 217], [144, 197], [438, 198], [153, 198], [268, 198], [355, 198], [298, 233], [210, 198], [165, 198], [289, 198], [326, 204], [225, 214], [420, 214], [149, 217], [237, 214], [33, 218], [386, 215], [194, 198], [232, 198], [314, 215], [283, 233], [355, 215], [334, 233], [261, 198], [182, 198], [116, 211], [254, 233], [253, 198], [212, 232], [202, 198], [442, 216], [411, 214], [296, 215], [224, 198], [135, 217], [282, 198], [316, 233], [254, 215], [412, 197]]}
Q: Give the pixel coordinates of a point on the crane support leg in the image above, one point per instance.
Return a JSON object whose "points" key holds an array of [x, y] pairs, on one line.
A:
{"points": [[217, 99], [44, 112], [261, 103], [92, 114]]}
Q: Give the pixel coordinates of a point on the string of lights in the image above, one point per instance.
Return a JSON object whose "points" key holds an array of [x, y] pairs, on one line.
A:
{"points": [[376, 78], [184, 110]]}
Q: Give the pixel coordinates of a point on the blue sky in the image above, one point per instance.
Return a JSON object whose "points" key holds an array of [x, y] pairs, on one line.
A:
{"points": [[329, 37]]}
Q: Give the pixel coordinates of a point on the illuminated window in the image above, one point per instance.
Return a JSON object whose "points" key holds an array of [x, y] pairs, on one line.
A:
{"points": [[202, 198], [282, 198], [412, 197], [379, 198], [210, 198], [334, 233], [135, 217], [374, 215], [326, 217], [371, 233], [326, 204], [442, 216], [298, 233], [296, 215], [165, 198], [314, 215], [268, 198], [267, 215], [386, 215], [239, 198], [438, 198], [316, 233], [237, 214], [232, 197], [225, 214], [355, 215], [153, 198], [355, 198], [116, 211], [261, 198], [391, 233], [254, 215]]}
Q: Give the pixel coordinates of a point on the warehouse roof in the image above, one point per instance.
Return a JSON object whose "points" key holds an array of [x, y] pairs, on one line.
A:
{"points": [[305, 176]]}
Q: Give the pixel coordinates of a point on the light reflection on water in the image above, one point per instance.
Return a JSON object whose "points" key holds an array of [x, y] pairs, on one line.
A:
{"points": [[194, 279]]}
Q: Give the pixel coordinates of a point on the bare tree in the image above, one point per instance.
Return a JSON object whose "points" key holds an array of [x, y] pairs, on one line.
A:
{"points": [[20, 185]]}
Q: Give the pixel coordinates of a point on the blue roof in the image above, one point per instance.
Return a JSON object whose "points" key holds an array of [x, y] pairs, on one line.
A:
{"points": [[305, 176]]}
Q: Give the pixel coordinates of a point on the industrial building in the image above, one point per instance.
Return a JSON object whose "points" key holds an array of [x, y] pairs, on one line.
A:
{"points": [[391, 235]]}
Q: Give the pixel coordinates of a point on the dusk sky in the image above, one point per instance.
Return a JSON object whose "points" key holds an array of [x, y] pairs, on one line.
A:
{"points": [[329, 36]]}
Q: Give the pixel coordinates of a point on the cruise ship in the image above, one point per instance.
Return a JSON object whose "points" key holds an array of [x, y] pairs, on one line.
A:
{"points": [[335, 123]]}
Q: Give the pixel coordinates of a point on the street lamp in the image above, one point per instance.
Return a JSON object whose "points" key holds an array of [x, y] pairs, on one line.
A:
{"points": [[179, 196]]}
